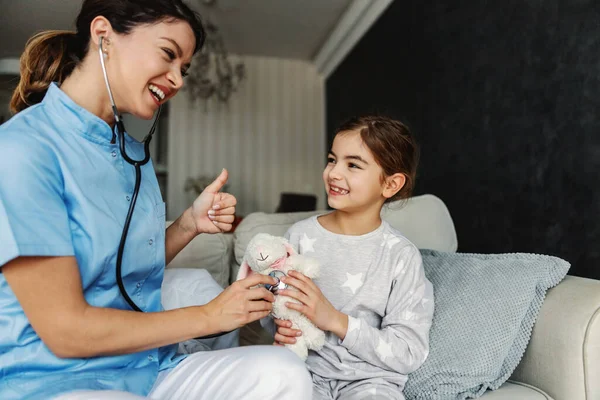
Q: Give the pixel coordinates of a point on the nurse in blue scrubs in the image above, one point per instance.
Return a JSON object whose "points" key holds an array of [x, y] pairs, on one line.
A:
{"points": [[66, 330]]}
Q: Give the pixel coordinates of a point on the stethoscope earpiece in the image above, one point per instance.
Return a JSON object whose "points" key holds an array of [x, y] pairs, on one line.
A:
{"points": [[103, 51]]}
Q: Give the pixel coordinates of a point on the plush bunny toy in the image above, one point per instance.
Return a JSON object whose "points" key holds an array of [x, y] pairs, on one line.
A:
{"points": [[267, 254]]}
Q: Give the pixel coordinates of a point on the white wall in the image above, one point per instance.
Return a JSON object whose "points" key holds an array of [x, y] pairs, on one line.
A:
{"points": [[271, 137]]}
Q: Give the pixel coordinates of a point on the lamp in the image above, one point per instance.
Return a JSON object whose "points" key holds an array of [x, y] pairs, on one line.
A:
{"points": [[212, 73]]}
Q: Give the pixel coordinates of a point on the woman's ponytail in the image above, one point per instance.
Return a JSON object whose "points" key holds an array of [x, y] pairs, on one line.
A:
{"points": [[49, 56]]}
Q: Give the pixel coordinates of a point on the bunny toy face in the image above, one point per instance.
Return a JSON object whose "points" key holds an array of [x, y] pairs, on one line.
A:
{"points": [[264, 251]]}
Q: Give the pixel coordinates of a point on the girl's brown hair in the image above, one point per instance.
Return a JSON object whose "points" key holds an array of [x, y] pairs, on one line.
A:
{"points": [[51, 56], [393, 146]]}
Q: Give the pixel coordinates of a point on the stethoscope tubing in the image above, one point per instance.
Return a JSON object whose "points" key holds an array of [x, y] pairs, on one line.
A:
{"points": [[137, 164]]}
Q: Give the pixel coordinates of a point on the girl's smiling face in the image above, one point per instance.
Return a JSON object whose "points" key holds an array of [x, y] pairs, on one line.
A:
{"points": [[352, 177]]}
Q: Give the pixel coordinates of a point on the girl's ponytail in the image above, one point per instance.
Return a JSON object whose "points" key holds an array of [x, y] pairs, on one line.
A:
{"points": [[49, 56]]}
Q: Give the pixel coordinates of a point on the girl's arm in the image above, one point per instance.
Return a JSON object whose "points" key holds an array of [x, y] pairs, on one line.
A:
{"points": [[314, 305], [402, 342], [50, 292]]}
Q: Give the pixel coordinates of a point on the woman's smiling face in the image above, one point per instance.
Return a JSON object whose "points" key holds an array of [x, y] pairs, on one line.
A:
{"points": [[146, 66]]}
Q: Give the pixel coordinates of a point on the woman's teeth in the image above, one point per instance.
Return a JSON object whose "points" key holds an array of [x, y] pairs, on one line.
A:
{"points": [[159, 94], [338, 190]]}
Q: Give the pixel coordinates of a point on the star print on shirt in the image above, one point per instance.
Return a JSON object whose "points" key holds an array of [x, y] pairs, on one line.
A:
{"points": [[409, 315], [306, 244], [353, 282], [390, 240], [384, 349], [420, 291], [423, 305], [352, 324], [400, 268]]}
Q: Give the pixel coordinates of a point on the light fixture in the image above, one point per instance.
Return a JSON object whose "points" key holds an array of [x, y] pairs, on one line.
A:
{"points": [[212, 74]]}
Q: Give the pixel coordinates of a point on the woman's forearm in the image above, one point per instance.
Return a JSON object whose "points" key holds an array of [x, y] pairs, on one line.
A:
{"points": [[49, 290], [107, 331], [178, 235]]}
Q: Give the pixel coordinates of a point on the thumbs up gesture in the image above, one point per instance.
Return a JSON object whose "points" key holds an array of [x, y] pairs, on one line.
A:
{"points": [[213, 211]]}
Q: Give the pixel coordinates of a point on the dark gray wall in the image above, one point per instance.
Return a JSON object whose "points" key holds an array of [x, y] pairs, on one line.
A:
{"points": [[504, 98], [8, 83]]}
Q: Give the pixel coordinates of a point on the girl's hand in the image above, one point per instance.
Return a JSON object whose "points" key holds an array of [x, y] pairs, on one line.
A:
{"points": [[213, 211], [285, 334], [240, 303], [314, 305]]}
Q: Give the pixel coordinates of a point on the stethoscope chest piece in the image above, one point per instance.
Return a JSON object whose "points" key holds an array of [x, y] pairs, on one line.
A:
{"points": [[279, 285]]}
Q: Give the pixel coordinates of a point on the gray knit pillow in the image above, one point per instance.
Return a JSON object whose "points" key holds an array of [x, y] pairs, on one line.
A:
{"points": [[485, 309]]}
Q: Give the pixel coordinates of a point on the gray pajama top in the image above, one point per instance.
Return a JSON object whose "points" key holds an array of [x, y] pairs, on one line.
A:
{"points": [[377, 279]]}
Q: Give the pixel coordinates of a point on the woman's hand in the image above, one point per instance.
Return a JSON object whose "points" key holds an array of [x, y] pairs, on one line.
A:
{"points": [[213, 211], [240, 303], [285, 333], [314, 305]]}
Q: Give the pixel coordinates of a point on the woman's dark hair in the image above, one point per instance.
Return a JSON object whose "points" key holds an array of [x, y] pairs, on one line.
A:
{"points": [[392, 145], [50, 56]]}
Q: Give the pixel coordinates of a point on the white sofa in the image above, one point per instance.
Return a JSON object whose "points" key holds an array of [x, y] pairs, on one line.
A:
{"points": [[562, 361]]}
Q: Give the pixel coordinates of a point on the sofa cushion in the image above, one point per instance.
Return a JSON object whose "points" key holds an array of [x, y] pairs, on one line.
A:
{"points": [[485, 308], [424, 220], [210, 252]]}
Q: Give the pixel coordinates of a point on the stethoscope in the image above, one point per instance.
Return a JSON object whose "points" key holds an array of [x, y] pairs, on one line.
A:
{"points": [[119, 130], [277, 274]]}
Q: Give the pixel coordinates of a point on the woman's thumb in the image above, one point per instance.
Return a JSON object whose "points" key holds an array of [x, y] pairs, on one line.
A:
{"points": [[218, 183]]}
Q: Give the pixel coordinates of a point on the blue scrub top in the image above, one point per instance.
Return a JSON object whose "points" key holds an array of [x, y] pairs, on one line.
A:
{"points": [[65, 191]]}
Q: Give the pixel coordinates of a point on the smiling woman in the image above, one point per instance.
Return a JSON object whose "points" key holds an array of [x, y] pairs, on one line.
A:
{"points": [[68, 289]]}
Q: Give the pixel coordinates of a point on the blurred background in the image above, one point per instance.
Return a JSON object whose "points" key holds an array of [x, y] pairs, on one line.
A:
{"points": [[262, 116], [501, 96]]}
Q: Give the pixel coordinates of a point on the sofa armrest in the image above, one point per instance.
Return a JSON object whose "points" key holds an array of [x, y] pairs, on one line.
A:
{"points": [[212, 252], [563, 356]]}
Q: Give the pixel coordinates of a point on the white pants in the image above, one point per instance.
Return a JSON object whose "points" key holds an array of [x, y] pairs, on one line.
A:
{"points": [[253, 372], [248, 373]]}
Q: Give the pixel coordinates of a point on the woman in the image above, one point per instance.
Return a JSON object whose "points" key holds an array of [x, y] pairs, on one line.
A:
{"points": [[66, 318]]}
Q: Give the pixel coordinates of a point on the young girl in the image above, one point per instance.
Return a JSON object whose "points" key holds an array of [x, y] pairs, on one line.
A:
{"points": [[372, 297], [68, 328]]}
